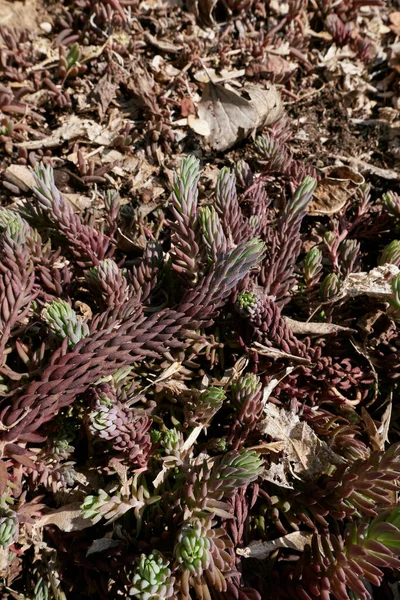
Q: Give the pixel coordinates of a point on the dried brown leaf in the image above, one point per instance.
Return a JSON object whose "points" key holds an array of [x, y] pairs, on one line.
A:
{"points": [[375, 283], [333, 192], [305, 455], [163, 45], [202, 9], [372, 430], [378, 434], [67, 518], [277, 473], [73, 128], [199, 126], [20, 176], [231, 117], [383, 429], [276, 353], [267, 103], [101, 545], [297, 540], [105, 90], [272, 64], [312, 328]]}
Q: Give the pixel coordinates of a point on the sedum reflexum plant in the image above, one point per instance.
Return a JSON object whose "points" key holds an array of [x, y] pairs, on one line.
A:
{"points": [[152, 579], [180, 390]]}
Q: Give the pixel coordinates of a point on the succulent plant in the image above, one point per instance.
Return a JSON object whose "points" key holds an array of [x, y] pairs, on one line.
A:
{"points": [[192, 550], [395, 296], [41, 590], [312, 265], [391, 254], [9, 527], [152, 579], [271, 151], [349, 251], [108, 507], [64, 322], [330, 286], [391, 202], [152, 409]]}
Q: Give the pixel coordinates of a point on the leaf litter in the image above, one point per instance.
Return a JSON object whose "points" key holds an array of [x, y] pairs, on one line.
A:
{"points": [[142, 108]]}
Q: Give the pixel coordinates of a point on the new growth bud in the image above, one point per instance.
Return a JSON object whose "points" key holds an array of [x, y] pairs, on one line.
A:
{"points": [[391, 254], [64, 322], [330, 286], [312, 265]]}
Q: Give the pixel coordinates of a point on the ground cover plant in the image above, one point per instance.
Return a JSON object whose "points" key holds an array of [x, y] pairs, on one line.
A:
{"points": [[199, 299]]}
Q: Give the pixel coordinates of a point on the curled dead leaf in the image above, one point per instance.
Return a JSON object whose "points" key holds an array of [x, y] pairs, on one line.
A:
{"points": [[101, 545], [276, 354], [198, 125], [378, 435], [334, 190]]}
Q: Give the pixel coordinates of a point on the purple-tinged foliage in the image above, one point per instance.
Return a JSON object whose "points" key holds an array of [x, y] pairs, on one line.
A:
{"points": [[87, 245], [135, 379], [277, 275]]}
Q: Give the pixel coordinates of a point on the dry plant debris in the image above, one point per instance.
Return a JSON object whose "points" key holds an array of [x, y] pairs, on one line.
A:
{"points": [[199, 299]]}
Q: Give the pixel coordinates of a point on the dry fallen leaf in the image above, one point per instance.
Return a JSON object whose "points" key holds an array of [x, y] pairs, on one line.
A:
{"points": [[20, 176], [375, 283], [204, 76], [362, 351], [232, 117], [394, 19], [297, 540], [357, 163], [333, 192], [272, 64], [267, 103], [106, 89], [276, 354], [274, 381], [67, 518], [101, 545], [277, 474], [198, 125], [372, 431], [163, 45], [305, 455], [79, 201], [311, 328], [72, 128], [383, 429]]}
